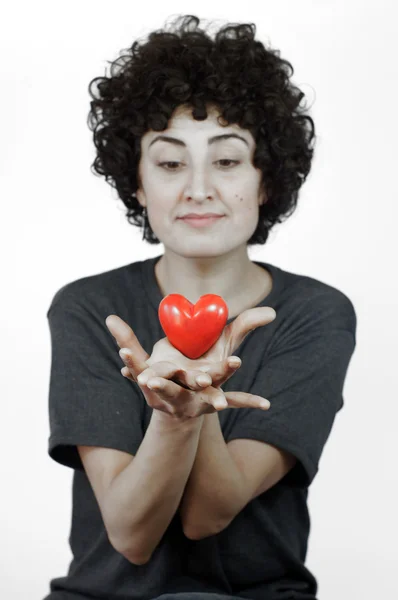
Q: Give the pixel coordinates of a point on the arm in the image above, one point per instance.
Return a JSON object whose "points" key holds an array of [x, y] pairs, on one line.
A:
{"points": [[305, 400], [214, 484], [143, 498], [225, 477], [214, 461]]}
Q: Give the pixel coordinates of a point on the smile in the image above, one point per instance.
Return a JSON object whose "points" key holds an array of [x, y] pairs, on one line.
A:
{"points": [[202, 221]]}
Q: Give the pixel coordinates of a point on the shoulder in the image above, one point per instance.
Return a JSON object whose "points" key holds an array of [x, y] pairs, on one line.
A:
{"points": [[325, 299], [97, 289], [306, 303]]}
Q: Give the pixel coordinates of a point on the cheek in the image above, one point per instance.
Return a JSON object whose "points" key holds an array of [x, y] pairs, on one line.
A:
{"points": [[244, 207], [160, 219]]}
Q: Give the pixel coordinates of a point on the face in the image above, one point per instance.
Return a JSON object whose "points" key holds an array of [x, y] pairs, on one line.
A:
{"points": [[200, 175]]}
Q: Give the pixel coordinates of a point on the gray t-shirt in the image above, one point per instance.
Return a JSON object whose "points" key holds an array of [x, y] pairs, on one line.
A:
{"points": [[299, 362]]}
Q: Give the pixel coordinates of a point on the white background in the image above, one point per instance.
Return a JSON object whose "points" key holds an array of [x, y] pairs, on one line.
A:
{"points": [[60, 222]]}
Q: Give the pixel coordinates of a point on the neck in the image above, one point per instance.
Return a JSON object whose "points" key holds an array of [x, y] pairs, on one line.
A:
{"points": [[232, 276]]}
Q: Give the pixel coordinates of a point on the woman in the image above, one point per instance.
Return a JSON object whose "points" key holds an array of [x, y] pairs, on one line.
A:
{"points": [[175, 495]]}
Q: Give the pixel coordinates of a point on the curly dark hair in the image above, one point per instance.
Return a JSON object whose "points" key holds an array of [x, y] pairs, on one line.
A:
{"points": [[249, 85]]}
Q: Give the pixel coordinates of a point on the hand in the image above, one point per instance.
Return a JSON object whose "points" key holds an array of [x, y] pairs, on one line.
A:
{"points": [[181, 402], [181, 369], [169, 397]]}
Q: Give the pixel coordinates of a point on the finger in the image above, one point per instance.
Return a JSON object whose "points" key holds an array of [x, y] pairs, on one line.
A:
{"points": [[155, 399], [169, 391], [128, 374], [171, 371], [217, 398], [125, 371], [221, 371], [245, 400], [125, 337], [246, 322], [162, 394], [192, 379], [162, 368], [165, 388], [131, 361], [169, 400]]}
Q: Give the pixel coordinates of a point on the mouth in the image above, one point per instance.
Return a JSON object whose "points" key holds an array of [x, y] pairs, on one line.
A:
{"points": [[201, 221]]}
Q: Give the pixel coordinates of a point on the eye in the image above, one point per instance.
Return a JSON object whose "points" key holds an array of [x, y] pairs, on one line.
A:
{"points": [[236, 162], [222, 160], [169, 163]]}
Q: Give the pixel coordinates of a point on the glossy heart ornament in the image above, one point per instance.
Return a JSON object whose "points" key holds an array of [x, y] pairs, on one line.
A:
{"points": [[193, 328]]}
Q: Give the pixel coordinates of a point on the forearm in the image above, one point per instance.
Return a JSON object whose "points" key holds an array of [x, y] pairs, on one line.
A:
{"points": [[144, 497], [213, 486]]}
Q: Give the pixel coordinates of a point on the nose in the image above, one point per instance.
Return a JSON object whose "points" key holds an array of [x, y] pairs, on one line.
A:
{"points": [[199, 188]]}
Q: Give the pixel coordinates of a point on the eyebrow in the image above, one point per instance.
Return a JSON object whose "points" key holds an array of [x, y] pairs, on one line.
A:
{"points": [[211, 140]]}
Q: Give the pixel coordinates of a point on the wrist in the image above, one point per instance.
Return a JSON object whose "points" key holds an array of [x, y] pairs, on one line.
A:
{"points": [[164, 420]]}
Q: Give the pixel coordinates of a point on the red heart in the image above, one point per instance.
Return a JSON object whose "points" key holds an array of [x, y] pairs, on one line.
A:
{"points": [[193, 329]]}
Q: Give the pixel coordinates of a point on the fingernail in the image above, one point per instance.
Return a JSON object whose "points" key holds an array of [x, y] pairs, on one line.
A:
{"points": [[234, 361], [155, 384], [202, 380], [221, 403], [142, 379], [124, 352]]}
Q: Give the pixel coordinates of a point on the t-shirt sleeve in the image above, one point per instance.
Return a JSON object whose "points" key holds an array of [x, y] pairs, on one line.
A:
{"points": [[303, 377], [90, 402]]}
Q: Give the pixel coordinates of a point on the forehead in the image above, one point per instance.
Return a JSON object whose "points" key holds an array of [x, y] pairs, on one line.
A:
{"points": [[184, 126]]}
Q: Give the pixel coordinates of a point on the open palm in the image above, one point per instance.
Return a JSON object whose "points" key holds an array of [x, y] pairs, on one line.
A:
{"points": [[213, 362]]}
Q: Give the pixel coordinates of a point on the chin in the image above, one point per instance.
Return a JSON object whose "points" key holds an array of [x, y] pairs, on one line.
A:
{"points": [[207, 246], [212, 249]]}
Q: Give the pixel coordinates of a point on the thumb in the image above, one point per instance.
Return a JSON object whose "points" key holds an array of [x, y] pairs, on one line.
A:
{"points": [[248, 321], [125, 337]]}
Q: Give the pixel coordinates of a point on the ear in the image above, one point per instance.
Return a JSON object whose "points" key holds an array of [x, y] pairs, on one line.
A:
{"points": [[141, 197], [262, 195], [263, 198]]}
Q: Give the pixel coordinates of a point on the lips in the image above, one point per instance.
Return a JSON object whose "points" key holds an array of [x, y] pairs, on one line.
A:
{"points": [[205, 216], [201, 222]]}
